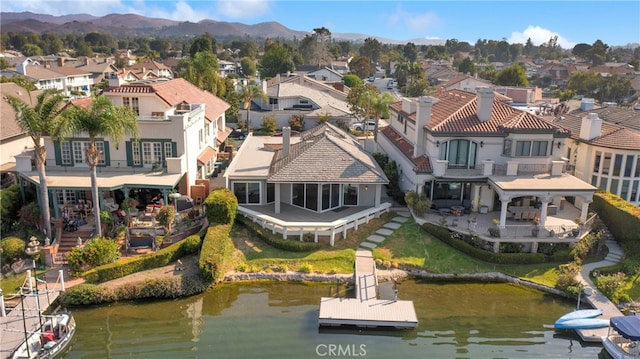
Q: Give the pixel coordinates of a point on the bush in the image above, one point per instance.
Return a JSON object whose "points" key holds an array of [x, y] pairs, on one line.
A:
{"points": [[269, 124], [276, 240], [306, 268], [84, 294], [611, 285], [221, 206], [9, 205], [166, 215], [96, 252], [12, 249], [419, 203], [296, 122], [216, 256]]}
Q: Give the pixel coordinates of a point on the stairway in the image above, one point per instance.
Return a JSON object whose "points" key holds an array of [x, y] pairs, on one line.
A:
{"points": [[387, 229], [70, 239]]}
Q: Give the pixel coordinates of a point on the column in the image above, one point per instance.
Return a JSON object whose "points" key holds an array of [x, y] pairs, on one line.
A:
{"points": [[277, 197], [503, 211], [378, 194], [585, 211], [165, 197], [543, 211]]}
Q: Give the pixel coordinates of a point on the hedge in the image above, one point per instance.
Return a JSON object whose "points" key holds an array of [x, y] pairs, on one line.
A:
{"points": [[444, 235], [221, 206], [216, 255], [277, 241], [621, 218], [132, 265]]}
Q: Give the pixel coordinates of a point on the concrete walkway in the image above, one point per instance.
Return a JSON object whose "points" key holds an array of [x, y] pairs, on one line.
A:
{"points": [[594, 297], [387, 229]]}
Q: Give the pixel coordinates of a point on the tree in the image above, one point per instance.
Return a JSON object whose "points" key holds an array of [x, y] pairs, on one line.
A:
{"points": [[248, 66], [276, 60], [378, 107], [31, 50], [581, 50], [203, 43], [514, 75], [358, 101], [315, 49], [410, 51], [101, 119], [598, 53], [249, 91], [584, 82], [351, 80], [467, 66], [39, 120], [371, 49], [360, 66], [201, 70]]}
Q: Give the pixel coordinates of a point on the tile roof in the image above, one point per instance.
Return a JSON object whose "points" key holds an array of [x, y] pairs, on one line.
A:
{"points": [[325, 154], [174, 92], [620, 127], [206, 155], [8, 126], [40, 73], [422, 164], [455, 112]]}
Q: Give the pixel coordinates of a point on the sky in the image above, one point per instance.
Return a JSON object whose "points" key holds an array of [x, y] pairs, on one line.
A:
{"points": [[613, 22]]}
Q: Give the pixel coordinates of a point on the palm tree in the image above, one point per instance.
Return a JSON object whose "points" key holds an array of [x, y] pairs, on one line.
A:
{"points": [[40, 120], [248, 92], [101, 119], [378, 107]]}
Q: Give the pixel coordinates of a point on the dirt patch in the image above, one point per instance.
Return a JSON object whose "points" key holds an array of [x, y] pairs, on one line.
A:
{"points": [[189, 268]]}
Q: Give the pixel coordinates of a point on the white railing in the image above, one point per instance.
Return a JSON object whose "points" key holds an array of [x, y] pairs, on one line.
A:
{"points": [[330, 229]]}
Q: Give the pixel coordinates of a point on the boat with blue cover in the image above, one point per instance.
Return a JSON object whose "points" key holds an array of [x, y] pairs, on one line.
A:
{"points": [[623, 340]]}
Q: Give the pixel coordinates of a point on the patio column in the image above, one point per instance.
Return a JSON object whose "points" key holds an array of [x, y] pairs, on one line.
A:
{"points": [[101, 199], [165, 196], [378, 194], [585, 211], [503, 211], [543, 211], [277, 197]]}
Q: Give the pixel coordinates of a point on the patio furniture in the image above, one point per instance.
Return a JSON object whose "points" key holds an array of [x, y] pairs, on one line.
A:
{"points": [[111, 204], [444, 211], [457, 210]]}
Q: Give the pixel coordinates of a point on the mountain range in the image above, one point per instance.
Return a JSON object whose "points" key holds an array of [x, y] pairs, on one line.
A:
{"points": [[135, 25]]}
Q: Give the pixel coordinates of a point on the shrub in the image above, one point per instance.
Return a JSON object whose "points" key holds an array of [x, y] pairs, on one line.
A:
{"points": [[296, 122], [96, 252], [305, 268], [611, 284], [12, 249], [216, 257], [166, 215], [269, 124], [84, 294], [221, 206], [419, 203], [567, 277], [277, 241], [9, 205]]}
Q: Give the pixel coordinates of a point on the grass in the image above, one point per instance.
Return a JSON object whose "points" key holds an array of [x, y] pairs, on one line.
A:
{"points": [[10, 284], [411, 246]]}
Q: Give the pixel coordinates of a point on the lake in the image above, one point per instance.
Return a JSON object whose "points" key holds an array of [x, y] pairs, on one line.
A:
{"points": [[280, 320]]}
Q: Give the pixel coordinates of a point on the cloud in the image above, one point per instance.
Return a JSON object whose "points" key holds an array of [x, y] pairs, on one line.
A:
{"points": [[415, 24], [539, 35], [66, 7], [242, 9], [182, 11]]}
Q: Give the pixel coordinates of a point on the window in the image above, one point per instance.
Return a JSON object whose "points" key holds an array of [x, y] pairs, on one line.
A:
{"points": [[135, 148], [247, 192], [297, 194], [168, 151], [271, 192], [628, 166], [350, 192], [531, 148], [634, 191], [273, 101], [135, 106], [330, 196], [606, 163], [65, 153], [596, 162], [617, 165], [311, 196], [506, 148], [151, 153], [77, 151], [625, 189], [604, 181], [637, 172], [459, 153]]}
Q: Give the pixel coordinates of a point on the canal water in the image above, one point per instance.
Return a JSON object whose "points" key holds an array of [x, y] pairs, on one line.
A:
{"points": [[280, 320]]}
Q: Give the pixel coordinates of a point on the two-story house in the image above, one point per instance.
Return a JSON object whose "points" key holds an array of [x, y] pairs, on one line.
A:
{"points": [[180, 130], [604, 149], [72, 81], [472, 150]]}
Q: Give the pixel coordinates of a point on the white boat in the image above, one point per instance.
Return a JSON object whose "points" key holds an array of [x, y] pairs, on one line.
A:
{"points": [[50, 340], [580, 314], [623, 340], [582, 323]]}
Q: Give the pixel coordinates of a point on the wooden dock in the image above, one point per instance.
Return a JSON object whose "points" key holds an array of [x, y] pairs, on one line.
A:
{"points": [[366, 309], [599, 301], [26, 315]]}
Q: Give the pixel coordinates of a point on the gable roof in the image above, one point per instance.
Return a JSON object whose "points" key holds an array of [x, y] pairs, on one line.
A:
{"points": [[421, 164], [325, 154], [8, 126], [176, 91], [620, 127]]}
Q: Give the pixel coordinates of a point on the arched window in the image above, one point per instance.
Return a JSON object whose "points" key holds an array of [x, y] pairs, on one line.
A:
{"points": [[459, 153]]}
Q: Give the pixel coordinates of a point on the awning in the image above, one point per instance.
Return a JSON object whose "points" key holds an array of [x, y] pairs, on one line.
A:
{"points": [[206, 155], [222, 135]]}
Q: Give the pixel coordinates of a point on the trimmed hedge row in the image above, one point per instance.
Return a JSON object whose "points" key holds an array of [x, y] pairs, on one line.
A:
{"points": [[622, 218], [277, 241], [163, 257], [221, 206], [444, 235], [216, 255]]}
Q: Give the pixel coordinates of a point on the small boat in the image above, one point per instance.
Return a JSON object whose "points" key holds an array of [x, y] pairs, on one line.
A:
{"points": [[583, 323], [580, 314], [623, 339], [50, 341]]}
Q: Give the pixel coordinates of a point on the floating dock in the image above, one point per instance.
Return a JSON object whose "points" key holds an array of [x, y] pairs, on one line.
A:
{"points": [[366, 309]]}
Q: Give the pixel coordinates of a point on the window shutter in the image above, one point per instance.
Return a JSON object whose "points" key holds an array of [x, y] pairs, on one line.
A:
{"points": [[127, 145], [174, 149], [107, 157], [57, 152]]}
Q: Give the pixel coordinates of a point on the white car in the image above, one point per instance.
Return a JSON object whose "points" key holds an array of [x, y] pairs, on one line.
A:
{"points": [[360, 126]]}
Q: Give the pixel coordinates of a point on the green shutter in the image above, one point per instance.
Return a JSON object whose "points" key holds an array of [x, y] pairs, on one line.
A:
{"points": [[57, 152], [127, 145], [107, 159], [174, 149]]}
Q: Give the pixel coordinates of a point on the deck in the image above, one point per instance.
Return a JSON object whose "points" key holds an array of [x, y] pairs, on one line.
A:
{"points": [[25, 315], [366, 310]]}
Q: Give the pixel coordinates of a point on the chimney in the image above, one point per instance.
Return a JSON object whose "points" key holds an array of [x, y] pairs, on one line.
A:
{"points": [[423, 116], [286, 141], [485, 103], [115, 80], [60, 61], [408, 105], [590, 127]]}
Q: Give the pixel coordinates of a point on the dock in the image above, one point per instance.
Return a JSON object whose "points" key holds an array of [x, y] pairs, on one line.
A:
{"points": [[367, 309], [26, 316]]}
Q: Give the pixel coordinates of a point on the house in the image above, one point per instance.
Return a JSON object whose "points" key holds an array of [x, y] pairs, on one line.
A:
{"points": [[99, 70], [326, 74], [72, 81], [475, 151], [150, 69], [180, 131], [12, 139], [227, 67], [319, 182], [604, 149], [520, 95], [465, 83]]}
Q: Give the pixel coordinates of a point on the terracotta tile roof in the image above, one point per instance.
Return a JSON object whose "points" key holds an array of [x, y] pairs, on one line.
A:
{"points": [[176, 91], [455, 112], [612, 134], [222, 135], [206, 155], [83, 102], [326, 155], [422, 164]]}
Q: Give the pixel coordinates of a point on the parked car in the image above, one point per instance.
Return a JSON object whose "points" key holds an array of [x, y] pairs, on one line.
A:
{"points": [[371, 78], [360, 126], [390, 85], [238, 134]]}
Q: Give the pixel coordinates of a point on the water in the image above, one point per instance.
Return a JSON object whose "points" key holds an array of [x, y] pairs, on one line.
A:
{"points": [[279, 320]]}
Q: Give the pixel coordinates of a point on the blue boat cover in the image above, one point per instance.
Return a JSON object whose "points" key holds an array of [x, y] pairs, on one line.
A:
{"points": [[627, 326]]}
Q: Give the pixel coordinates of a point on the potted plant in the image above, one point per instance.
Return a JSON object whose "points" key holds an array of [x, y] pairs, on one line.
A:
{"points": [[576, 231], [128, 204], [535, 230], [495, 230], [165, 217]]}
